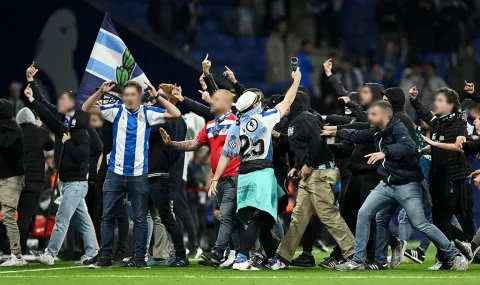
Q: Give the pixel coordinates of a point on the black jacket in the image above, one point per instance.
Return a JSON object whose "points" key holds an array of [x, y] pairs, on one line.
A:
{"points": [[76, 151], [177, 158], [400, 165], [11, 143], [36, 140], [96, 145], [159, 160]]}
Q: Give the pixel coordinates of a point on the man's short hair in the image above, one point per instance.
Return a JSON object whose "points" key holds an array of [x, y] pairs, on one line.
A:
{"points": [[384, 105], [134, 84], [72, 95], [451, 96]]}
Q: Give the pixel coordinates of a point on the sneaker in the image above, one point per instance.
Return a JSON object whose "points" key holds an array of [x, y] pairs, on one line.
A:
{"points": [[158, 262], [436, 266], [212, 259], [258, 260], [376, 266], [13, 260], [331, 262], [228, 263], [102, 262], [195, 253], [397, 253], [461, 263], [119, 256], [179, 262], [304, 260], [349, 265], [275, 264], [466, 249], [141, 263], [83, 259], [241, 263], [91, 260], [416, 255], [45, 258], [130, 263]]}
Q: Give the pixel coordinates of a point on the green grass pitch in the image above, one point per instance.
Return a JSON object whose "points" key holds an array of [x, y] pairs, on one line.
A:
{"points": [[408, 273]]}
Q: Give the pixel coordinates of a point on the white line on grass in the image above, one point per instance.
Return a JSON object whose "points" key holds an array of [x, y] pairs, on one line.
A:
{"points": [[246, 276], [42, 269]]}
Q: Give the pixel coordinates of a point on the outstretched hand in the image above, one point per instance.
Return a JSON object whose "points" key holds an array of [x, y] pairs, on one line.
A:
{"points": [[107, 86], [205, 96], [413, 93], [374, 157], [28, 93], [165, 137]]}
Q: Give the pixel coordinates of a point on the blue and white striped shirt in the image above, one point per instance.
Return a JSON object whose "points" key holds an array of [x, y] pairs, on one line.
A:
{"points": [[131, 131]]}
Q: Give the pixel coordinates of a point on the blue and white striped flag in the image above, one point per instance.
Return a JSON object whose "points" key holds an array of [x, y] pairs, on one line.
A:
{"points": [[110, 60]]}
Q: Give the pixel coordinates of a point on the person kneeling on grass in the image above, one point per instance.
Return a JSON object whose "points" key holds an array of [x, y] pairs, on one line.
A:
{"points": [[258, 192]]}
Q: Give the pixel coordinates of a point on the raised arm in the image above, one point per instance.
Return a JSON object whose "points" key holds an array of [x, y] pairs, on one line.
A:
{"points": [[43, 113], [421, 109], [355, 136], [190, 145], [291, 93], [239, 88], [208, 77], [336, 83], [172, 111], [37, 94], [89, 105]]}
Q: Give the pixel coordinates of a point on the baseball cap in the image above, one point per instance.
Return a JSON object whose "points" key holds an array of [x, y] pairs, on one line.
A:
{"points": [[245, 101]]}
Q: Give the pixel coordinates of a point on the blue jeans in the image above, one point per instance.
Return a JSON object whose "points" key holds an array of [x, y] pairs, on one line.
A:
{"points": [[227, 202], [405, 227], [73, 208], [382, 203], [114, 189]]}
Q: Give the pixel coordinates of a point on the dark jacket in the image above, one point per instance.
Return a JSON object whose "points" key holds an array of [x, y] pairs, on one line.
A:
{"points": [[446, 130], [177, 158], [304, 135], [96, 145], [36, 141], [159, 160], [76, 151], [400, 165], [11, 143]]}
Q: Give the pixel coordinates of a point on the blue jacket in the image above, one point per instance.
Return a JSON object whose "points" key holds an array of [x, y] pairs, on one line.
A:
{"points": [[401, 165]]}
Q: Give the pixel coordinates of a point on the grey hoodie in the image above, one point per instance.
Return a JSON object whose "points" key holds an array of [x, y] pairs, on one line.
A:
{"points": [[25, 116]]}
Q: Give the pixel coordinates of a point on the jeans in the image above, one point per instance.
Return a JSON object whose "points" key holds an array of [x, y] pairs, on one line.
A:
{"points": [[382, 203], [161, 196], [405, 227], [227, 201], [73, 208], [114, 190]]}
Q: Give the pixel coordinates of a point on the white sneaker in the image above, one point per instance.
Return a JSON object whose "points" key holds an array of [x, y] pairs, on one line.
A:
{"points": [[436, 266], [242, 264], [82, 259], [14, 261], [45, 258], [199, 252], [228, 263], [461, 263], [275, 264]]}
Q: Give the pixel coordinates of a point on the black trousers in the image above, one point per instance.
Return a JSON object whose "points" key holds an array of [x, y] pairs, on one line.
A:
{"points": [[466, 220], [121, 215], [259, 227], [446, 202], [161, 197], [184, 215], [27, 206]]}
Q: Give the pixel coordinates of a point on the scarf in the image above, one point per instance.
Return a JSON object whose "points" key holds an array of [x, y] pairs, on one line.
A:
{"points": [[255, 130], [218, 120]]}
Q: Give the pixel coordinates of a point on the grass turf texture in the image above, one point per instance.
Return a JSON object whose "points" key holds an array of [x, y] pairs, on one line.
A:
{"points": [[66, 273]]}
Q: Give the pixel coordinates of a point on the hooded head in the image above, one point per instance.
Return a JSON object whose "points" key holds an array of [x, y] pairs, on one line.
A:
{"points": [[25, 116], [396, 97], [299, 105], [6, 109], [370, 93]]}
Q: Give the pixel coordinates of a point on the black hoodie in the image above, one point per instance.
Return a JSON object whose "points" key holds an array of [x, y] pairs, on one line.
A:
{"points": [[304, 135], [396, 97], [11, 143]]}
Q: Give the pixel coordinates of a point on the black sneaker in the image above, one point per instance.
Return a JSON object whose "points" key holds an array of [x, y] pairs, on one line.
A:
{"points": [[91, 260], [119, 256], [416, 255], [179, 262], [331, 262], [211, 258], [304, 260], [141, 263], [376, 266], [102, 262], [257, 260], [130, 263], [447, 264]]}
